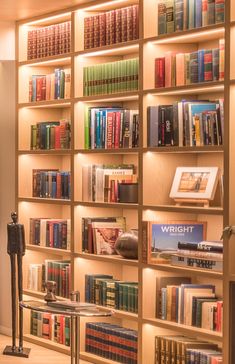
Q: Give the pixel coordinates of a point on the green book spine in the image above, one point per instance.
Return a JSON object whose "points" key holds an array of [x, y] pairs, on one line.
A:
{"points": [[85, 93], [62, 83], [33, 137], [48, 132], [109, 78], [137, 74], [67, 331], [87, 115]]}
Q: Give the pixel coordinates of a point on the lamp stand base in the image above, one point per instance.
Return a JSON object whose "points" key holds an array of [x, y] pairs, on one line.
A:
{"points": [[24, 353]]}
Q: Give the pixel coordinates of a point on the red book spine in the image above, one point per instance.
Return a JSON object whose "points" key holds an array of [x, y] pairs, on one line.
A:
{"points": [[58, 185], [56, 38], [135, 14], [39, 88], [160, 72], [102, 27], [57, 137], [86, 32], [208, 71], [124, 24], [30, 45], [91, 32], [108, 24], [109, 129], [129, 32], [51, 235], [118, 23], [68, 37], [112, 27], [117, 129], [44, 87], [96, 31]]}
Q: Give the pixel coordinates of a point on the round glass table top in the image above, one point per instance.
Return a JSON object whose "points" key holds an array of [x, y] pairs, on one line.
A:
{"points": [[81, 309]]}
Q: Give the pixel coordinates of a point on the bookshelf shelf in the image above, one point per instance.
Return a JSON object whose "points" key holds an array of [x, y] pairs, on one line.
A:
{"points": [[113, 259], [187, 330], [47, 344], [110, 50], [121, 314], [155, 166], [43, 249], [44, 200], [57, 60], [46, 104], [196, 35], [203, 149], [121, 96], [39, 295], [194, 89], [190, 271]]}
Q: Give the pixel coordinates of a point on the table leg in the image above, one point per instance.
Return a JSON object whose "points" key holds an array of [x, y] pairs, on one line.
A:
{"points": [[77, 339]]}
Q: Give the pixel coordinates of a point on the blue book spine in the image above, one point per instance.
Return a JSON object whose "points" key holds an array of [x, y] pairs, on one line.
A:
{"points": [[198, 13], [164, 303], [53, 188], [55, 235], [201, 65], [179, 15], [103, 127], [97, 129]]}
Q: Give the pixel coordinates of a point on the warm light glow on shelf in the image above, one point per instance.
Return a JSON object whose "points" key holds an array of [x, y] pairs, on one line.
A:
{"points": [[107, 51], [50, 18], [47, 105], [190, 90], [191, 36], [51, 61], [102, 5]]}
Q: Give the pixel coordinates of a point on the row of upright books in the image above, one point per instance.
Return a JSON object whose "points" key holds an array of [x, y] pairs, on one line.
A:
{"points": [[104, 290], [51, 135], [111, 128], [115, 26], [51, 184], [99, 234], [100, 183], [178, 15], [112, 342], [179, 349], [58, 271], [50, 327], [111, 77], [49, 41], [189, 304], [53, 86], [186, 123], [180, 69], [51, 233]]}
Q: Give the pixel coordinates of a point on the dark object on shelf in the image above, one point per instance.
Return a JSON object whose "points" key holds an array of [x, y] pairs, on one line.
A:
{"points": [[50, 289], [128, 192], [127, 244], [16, 247]]}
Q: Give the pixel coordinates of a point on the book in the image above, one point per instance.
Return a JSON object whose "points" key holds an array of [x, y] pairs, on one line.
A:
{"points": [[160, 239]]}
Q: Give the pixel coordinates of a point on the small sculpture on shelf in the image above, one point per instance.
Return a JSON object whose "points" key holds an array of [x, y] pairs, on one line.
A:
{"points": [[16, 247], [127, 244], [50, 291]]}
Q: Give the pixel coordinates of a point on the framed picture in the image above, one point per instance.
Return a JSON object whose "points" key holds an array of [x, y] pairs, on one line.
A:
{"points": [[194, 183]]}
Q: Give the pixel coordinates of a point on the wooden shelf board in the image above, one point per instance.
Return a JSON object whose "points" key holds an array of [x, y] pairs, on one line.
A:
{"points": [[121, 96], [103, 204], [47, 343], [201, 149], [111, 50], [196, 35], [109, 151], [105, 5], [197, 88], [46, 152], [187, 270], [47, 19], [44, 200], [114, 259], [40, 295], [62, 103], [187, 209], [57, 60], [95, 358], [45, 249], [184, 329]]}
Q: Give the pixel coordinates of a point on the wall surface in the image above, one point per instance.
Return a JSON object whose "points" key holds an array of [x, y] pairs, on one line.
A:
{"points": [[7, 162]]}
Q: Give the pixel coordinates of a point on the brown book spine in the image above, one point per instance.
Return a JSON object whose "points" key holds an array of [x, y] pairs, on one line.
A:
{"points": [[87, 32], [112, 27], [118, 23], [38, 43], [34, 44], [135, 14], [91, 32], [30, 45], [57, 39], [68, 37], [96, 31], [108, 17], [124, 24], [129, 30], [102, 30], [145, 241]]}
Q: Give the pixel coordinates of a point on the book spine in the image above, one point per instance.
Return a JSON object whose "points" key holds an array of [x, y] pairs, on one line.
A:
{"points": [[179, 15], [208, 67], [161, 18]]}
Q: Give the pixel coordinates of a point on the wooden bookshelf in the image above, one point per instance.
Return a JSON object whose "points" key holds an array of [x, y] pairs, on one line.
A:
{"points": [[156, 166]]}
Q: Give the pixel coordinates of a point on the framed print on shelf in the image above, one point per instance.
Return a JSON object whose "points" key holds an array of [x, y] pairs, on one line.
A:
{"points": [[194, 184]]}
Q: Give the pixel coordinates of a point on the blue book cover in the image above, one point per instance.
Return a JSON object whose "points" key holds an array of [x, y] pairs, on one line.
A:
{"points": [[97, 129], [53, 188], [198, 13], [165, 236], [201, 65]]}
